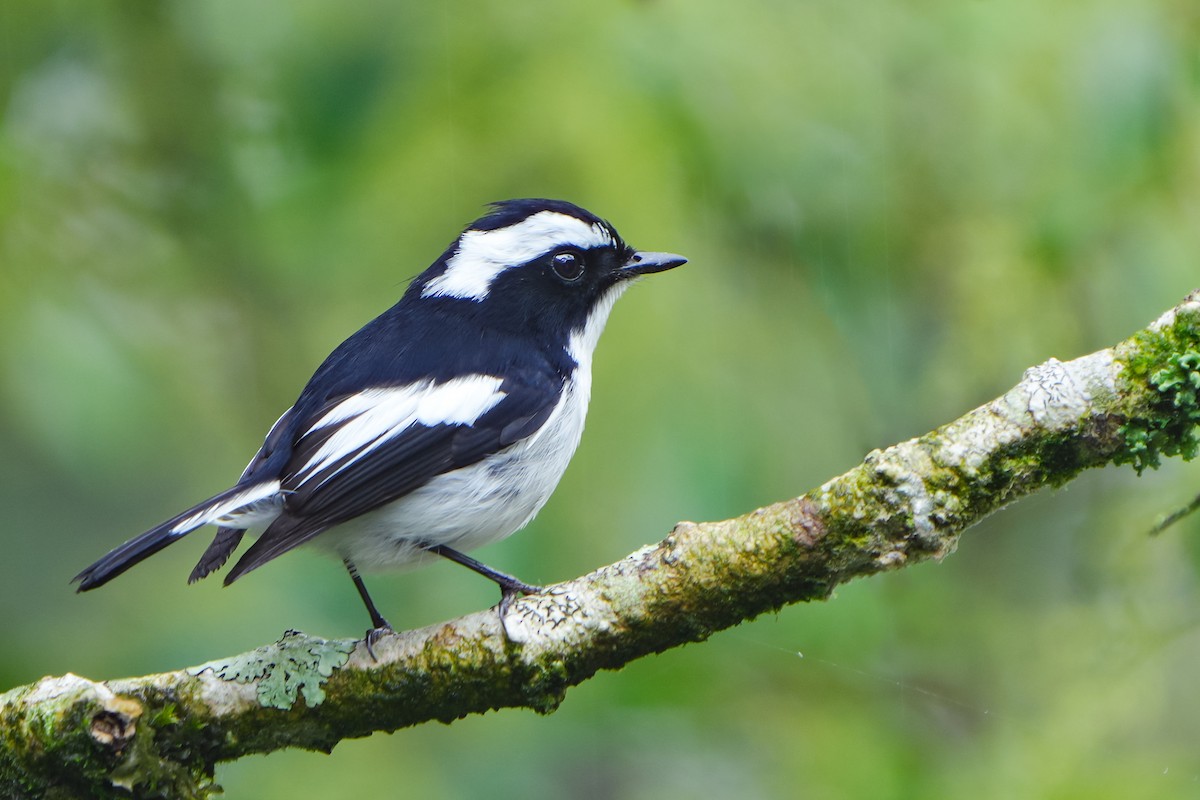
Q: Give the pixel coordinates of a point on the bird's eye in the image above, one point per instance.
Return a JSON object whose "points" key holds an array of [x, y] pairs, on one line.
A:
{"points": [[568, 265]]}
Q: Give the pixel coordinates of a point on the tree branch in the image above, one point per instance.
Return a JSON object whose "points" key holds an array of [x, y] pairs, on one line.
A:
{"points": [[161, 735]]}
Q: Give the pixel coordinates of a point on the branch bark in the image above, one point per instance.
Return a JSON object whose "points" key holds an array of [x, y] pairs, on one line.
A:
{"points": [[161, 735]]}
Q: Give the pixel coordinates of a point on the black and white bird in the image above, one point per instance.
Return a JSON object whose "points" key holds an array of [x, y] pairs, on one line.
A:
{"points": [[442, 425]]}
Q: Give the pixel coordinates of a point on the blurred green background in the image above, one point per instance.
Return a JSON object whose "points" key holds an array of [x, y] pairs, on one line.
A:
{"points": [[891, 210]]}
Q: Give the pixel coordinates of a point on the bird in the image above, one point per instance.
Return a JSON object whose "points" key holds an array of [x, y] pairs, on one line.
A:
{"points": [[443, 424]]}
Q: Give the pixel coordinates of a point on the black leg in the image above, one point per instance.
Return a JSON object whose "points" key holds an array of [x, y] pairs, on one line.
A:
{"points": [[379, 625], [510, 587]]}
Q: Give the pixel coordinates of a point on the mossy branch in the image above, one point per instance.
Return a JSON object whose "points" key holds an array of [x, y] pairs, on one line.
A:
{"points": [[161, 735]]}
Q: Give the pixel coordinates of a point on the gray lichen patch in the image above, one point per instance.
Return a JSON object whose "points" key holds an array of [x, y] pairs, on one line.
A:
{"points": [[295, 666], [558, 612]]}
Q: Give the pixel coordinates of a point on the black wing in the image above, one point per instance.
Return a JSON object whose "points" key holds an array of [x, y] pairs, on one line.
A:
{"points": [[330, 480]]}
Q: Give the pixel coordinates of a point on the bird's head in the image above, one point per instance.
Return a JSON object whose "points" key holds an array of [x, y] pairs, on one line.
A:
{"points": [[544, 266]]}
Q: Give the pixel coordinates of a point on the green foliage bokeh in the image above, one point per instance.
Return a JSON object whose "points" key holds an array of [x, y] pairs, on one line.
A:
{"points": [[891, 210]]}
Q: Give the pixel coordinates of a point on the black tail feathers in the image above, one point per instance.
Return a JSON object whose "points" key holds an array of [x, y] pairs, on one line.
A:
{"points": [[147, 544], [223, 545]]}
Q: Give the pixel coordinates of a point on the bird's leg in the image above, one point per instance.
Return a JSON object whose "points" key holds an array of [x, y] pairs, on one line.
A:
{"points": [[510, 587], [379, 625]]}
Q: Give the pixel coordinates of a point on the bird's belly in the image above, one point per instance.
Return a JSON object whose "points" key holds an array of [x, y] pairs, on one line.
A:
{"points": [[468, 507]]}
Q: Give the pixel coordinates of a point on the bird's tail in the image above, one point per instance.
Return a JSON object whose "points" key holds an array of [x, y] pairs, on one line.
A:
{"points": [[239, 499]]}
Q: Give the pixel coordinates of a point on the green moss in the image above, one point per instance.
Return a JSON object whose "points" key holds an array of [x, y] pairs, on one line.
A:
{"points": [[547, 687], [1166, 364], [50, 750]]}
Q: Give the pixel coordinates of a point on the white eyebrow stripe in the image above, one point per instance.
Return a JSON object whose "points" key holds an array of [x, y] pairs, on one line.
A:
{"points": [[482, 255], [370, 418]]}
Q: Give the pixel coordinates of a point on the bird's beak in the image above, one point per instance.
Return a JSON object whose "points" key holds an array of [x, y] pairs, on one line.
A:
{"points": [[643, 263]]}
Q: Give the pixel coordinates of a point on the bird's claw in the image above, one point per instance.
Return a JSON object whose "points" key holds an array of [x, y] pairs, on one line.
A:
{"points": [[374, 635], [508, 593]]}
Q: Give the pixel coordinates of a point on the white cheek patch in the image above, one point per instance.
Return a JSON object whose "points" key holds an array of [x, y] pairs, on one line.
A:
{"points": [[482, 255], [371, 418]]}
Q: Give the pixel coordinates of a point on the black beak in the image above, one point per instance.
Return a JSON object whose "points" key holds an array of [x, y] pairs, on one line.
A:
{"points": [[642, 263]]}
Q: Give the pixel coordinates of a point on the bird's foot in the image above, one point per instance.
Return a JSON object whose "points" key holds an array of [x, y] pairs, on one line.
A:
{"points": [[375, 634], [510, 590], [510, 587]]}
